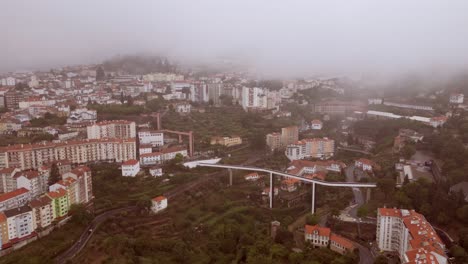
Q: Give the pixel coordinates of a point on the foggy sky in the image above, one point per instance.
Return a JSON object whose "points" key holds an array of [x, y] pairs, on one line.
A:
{"points": [[278, 37]]}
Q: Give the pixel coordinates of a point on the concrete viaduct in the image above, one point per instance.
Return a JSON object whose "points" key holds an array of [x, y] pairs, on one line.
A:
{"points": [[273, 173]]}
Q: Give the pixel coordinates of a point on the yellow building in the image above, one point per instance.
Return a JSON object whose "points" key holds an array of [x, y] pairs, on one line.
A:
{"points": [[60, 202], [3, 230], [273, 141], [226, 141]]}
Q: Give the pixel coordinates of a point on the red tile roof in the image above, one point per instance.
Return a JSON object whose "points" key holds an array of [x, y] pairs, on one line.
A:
{"points": [[7, 170], [159, 198], [131, 162], [57, 194], [28, 174], [152, 154], [3, 217], [346, 243], [322, 231], [12, 194], [41, 201]]}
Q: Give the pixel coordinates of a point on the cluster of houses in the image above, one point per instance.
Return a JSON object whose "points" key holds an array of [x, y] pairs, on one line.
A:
{"points": [[28, 204]]}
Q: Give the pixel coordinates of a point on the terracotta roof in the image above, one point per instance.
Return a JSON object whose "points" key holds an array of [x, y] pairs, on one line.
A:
{"points": [[252, 174], [12, 194], [110, 122], [159, 198], [67, 182], [57, 194], [318, 175], [131, 162], [26, 147], [3, 217], [28, 174], [17, 211], [81, 170], [322, 231], [152, 154], [7, 170], [423, 237], [366, 161], [41, 201], [389, 212], [346, 243]]}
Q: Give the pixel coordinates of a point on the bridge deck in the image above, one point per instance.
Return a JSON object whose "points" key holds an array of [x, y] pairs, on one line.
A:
{"points": [[319, 182]]}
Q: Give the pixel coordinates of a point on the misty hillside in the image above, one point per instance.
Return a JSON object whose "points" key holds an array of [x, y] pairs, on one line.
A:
{"points": [[136, 64]]}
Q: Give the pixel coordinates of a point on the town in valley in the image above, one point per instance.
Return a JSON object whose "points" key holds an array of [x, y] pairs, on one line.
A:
{"points": [[141, 158]]}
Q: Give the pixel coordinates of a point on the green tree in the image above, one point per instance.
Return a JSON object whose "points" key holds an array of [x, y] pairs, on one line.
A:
{"points": [[54, 176], [178, 158], [381, 260], [100, 74], [79, 214], [408, 151], [312, 219], [386, 185], [363, 211]]}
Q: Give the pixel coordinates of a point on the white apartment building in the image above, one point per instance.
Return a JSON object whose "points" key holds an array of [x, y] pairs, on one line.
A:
{"points": [[457, 98], [322, 148], [83, 176], [33, 156], [183, 108], [8, 81], [180, 90], [145, 149], [42, 211], [32, 180], [155, 138], [410, 235], [112, 129], [35, 102], [254, 98], [130, 168], [7, 179], [199, 92], [82, 115], [156, 172], [163, 77], [14, 199], [151, 158], [163, 156], [316, 124], [20, 222], [158, 204]]}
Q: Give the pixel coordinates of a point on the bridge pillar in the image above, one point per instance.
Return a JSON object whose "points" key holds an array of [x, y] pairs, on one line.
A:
{"points": [[230, 177], [180, 138], [272, 190], [368, 194], [313, 197], [191, 146]]}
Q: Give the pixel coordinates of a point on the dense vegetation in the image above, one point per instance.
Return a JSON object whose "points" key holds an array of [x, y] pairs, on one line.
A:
{"points": [[215, 225], [135, 64], [48, 120]]}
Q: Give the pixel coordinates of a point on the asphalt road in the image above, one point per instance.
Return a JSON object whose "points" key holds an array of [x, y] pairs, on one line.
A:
{"points": [[365, 255], [86, 235], [358, 197]]}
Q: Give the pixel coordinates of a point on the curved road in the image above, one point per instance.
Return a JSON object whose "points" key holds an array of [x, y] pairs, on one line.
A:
{"points": [[86, 235]]}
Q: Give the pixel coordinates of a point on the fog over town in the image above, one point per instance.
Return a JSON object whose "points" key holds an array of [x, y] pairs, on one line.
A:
{"points": [[237, 132], [277, 37]]}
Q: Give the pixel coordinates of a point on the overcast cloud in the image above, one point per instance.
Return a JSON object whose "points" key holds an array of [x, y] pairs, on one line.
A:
{"points": [[277, 36]]}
